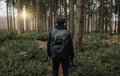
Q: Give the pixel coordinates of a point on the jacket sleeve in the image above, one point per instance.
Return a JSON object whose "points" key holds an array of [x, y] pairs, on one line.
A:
{"points": [[48, 45], [71, 47]]}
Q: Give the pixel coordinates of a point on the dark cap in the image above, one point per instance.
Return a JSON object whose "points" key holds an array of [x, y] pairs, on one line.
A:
{"points": [[60, 19]]}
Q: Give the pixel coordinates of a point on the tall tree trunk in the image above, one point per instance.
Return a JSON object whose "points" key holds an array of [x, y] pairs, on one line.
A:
{"points": [[8, 26], [10, 16], [91, 23], [119, 17], [88, 21], [60, 7], [20, 17], [115, 11], [50, 15], [101, 17], [96, 28], [79, 24], [14, 15], [85, 23], [88, 24], [65, 12], [42, 17], [55, 10], [115, 31], [37, 15], [27, 19], [72, 16], [110, 24]]}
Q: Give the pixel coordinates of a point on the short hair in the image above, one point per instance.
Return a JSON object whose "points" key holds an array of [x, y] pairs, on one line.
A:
{"points": [[60, 19]]}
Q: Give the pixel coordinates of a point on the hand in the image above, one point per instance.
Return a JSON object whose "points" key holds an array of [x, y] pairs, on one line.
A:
{"points": [[50, 60], [73, 64]]}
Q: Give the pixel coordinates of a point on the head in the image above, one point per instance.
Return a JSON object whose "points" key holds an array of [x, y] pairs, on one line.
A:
{"points": [[60, 20]]}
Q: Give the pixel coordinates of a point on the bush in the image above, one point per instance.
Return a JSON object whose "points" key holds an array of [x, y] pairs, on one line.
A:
{"points": [[30, 35], [3, 36], [8, 35], [94, 42], [42, 36], [13, 35], [22, 58], [20, 55], [33, 35], [100, 58]]}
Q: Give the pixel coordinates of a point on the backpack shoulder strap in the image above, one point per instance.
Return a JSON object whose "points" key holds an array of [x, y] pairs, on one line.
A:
{"points": [[53, 31], [52, 34]]}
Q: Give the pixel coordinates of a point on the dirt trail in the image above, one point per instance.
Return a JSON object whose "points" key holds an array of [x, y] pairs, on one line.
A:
{"points": [[43, 44]]}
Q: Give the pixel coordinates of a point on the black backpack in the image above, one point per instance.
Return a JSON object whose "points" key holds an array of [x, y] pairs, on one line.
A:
{"points": [[59, 41]]}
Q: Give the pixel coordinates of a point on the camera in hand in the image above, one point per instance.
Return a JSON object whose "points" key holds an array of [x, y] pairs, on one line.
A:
{"points": [[73, 64]]}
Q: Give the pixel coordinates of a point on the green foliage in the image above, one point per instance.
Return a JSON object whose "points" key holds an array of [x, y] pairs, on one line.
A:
{"points": [[22, 58], [20, 55], [8, 35], [94, 41], [33, 35], [30, 35], [100, 58], [3, 36], [43, 36], [12, 35]]}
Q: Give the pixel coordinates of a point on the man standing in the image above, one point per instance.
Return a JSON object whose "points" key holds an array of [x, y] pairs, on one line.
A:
{"points": [[60, 47]]}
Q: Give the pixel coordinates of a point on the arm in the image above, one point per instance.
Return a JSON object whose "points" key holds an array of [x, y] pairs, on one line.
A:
{"points": [[71, 53], [49, 45]]}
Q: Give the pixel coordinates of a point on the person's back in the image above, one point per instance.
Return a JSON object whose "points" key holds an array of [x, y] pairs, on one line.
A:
{"points": [[59, 42], [60, 47]]}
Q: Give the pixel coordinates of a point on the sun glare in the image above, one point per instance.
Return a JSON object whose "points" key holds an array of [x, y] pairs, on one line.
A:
{"points": [[24, 13]]}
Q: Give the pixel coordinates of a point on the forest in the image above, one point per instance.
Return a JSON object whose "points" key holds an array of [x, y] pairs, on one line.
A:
{"points": [[95, 29]]}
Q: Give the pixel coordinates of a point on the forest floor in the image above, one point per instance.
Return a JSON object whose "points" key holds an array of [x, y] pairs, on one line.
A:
{"points": [[42, 44]]}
